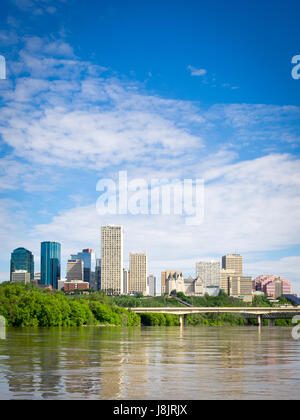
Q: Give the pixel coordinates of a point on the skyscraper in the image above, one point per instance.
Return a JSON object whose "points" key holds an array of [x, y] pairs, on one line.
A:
{"points": [[89, 262], [22, 259], [75, 270], [209, 272], [240, 286], [233, 262], [224, 279], [112, 259], [138, 273], [151, 282], [125, 281], [50, 264], [98, 274]]}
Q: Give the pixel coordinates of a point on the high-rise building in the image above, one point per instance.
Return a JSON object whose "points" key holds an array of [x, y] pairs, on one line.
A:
{"points": [[50, 264], [151, 282], [22, 259], [224, 279], [240, 286], [21, 276], [138, 273], [125, 281], [75, 270], [112, 259], [89, 262], [98, 274], [233, 262], [209, 272]]}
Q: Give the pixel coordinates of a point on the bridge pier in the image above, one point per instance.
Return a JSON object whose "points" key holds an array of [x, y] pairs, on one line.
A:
{"points": [[183, 320], [271, 322], [260, 320]]}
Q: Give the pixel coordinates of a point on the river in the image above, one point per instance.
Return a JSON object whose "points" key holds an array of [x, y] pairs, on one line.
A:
{"points": [[150, 363]]}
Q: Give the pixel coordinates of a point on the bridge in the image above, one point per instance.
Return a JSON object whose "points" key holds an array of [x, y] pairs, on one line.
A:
{"points": [[270, 313]]}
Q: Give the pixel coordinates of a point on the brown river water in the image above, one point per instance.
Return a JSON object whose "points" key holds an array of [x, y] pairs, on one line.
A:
{"points": [[172, 363]]}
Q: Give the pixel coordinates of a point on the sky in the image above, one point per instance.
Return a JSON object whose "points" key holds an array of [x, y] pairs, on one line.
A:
{"points": [[168, 90]]}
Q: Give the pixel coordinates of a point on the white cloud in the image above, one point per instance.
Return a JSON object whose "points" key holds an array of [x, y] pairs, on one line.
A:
{"points": [[287, 267], [248, 213], [36, 7], [84, 117], [196, 72]]}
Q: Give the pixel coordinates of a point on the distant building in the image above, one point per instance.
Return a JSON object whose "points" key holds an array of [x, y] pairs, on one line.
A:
{"points": [[271, 285], [20, 276], [50, 264], [37, 278], [164, 276], [209, 273], [189, 286], [22, 259], [212, 290], [112, 259], [89, 263], [224, 279], [233, 262], [151, 283], [138, 273], [61, 283], [174, 282], [194, 287], [75, 270], [76, 285], [98, 274], [125, 281], [240, 287]]}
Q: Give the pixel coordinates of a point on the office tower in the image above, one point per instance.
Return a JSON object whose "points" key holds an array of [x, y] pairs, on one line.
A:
{"points": [[75, 270], [278, 283], [165, 275], [21, 276], [151, 281], [98, 274], [138, 273], [240, 286], [50, 264], [233, 262], [224, 274], [125, 281], [112, 259], [209, 272], [89, 262], [22, 259]]}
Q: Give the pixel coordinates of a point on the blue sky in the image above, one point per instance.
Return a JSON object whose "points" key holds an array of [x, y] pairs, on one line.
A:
{"points": [[170, 89]]}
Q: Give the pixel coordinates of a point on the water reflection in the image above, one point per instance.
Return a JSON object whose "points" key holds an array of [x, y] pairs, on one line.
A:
{"points": [[150, 363]]}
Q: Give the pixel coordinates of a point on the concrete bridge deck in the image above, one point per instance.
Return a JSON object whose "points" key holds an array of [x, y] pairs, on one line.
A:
{"points": [[271, 313]]}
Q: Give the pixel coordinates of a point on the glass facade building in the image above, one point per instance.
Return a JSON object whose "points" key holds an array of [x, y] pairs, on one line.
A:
{"points": [[22, 259], [89, 262], [50, 264]]}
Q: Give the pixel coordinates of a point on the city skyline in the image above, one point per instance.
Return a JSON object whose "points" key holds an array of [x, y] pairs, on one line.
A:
{"points": [[207, 96], [227, 275]]}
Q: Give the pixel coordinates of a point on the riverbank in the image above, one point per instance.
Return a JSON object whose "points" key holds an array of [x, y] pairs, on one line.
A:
{"points": [[29, 306]]}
